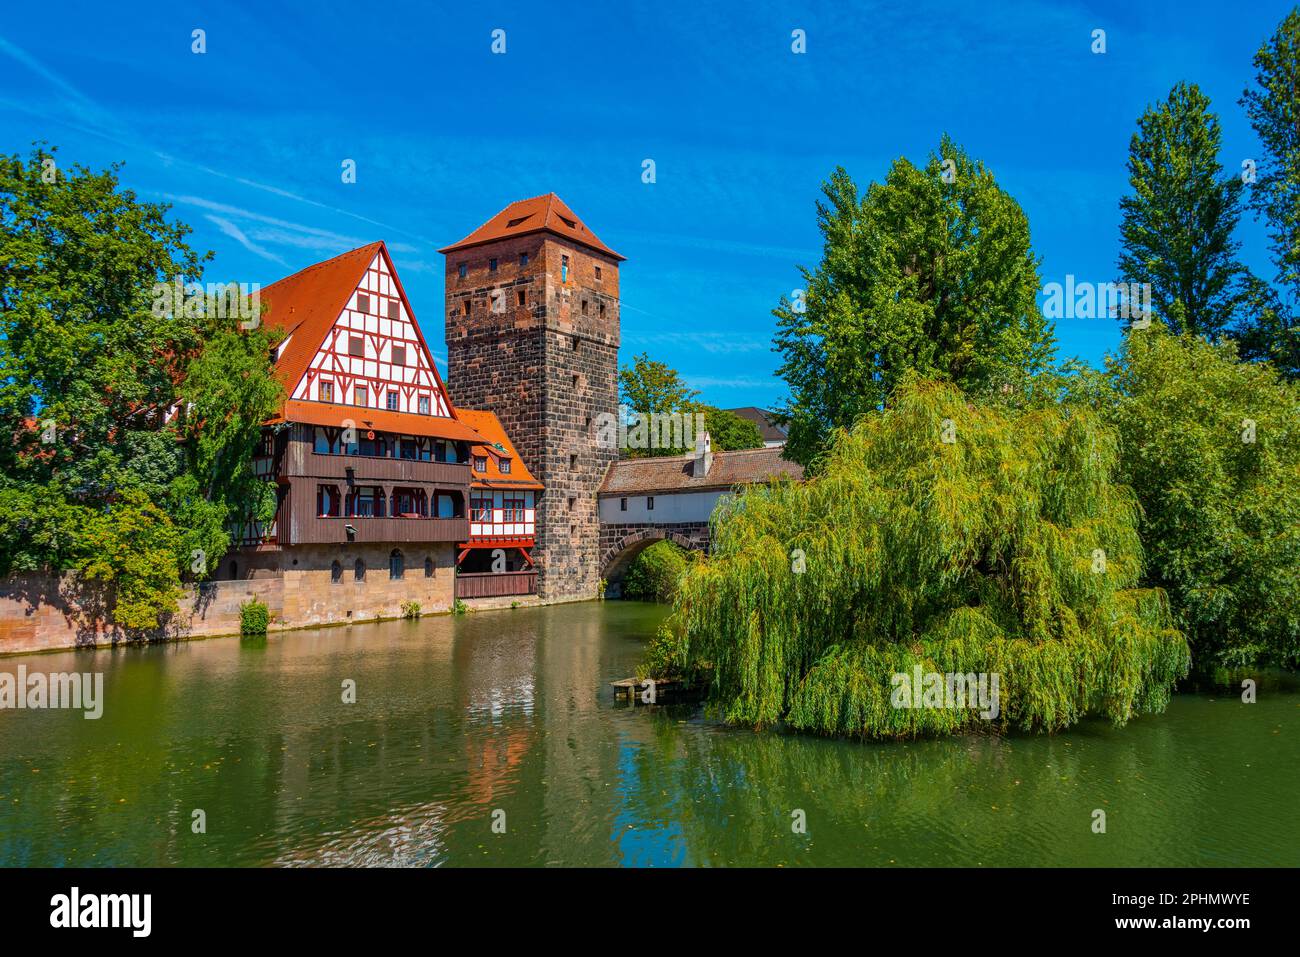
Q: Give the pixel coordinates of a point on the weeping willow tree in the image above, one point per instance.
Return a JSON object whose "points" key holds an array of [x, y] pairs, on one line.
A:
{"points": [[955, 537]]}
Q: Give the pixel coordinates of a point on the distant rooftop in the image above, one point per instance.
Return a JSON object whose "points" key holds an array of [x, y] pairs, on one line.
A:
{"points": [[676, 473], [767, 427]]}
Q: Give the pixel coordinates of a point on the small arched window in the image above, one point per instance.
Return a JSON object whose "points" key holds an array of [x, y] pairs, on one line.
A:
{"points": [[395, 564], [336, 572], [428, 567], [359, 570]]}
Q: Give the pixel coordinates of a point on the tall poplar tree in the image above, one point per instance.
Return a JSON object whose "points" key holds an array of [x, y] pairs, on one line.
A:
{"points": [[1178, 223], [930, 272]]}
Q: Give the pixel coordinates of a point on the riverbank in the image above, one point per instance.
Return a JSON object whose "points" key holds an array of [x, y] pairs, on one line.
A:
{"points": [[457, 717]]}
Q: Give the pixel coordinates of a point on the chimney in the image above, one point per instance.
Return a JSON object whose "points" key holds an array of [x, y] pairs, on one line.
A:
{"points": [[702, 460]]}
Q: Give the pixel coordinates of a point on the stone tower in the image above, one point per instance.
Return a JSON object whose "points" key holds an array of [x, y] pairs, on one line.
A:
{"points": [[532, 335]]}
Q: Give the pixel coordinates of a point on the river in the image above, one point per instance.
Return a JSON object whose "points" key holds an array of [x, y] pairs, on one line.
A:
{"points": [[494, 739]]}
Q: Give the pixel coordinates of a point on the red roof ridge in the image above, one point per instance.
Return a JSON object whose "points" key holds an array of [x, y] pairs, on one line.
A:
{"points": [[546, 207]]}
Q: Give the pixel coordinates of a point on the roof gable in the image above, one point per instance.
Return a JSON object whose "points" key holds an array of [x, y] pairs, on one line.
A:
{"points": [[540, 214], [498, 445]]}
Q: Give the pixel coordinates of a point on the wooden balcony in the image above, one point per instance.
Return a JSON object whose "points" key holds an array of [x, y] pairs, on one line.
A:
{"points": [[495, 584]]}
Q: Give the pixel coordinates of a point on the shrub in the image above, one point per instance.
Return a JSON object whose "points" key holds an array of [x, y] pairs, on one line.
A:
{"points": [[411, 609], [459, 607], [1211, 447], [1009, 550], [254, 617], [653, 574]]}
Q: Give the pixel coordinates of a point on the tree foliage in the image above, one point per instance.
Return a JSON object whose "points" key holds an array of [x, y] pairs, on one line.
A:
{"points": [[651, 387], [1011, 550], [1177, 229], [929, 272], [123, 414], [653, 574], [1211, 447]]}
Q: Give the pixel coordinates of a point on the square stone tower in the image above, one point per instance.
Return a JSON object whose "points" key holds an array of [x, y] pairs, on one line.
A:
{"points": [[532, 335]]}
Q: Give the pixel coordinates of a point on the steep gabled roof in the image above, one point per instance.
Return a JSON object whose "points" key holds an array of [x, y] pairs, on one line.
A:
{"points": [[487, 425], [363, 418], [306, 304], [540, 214]]}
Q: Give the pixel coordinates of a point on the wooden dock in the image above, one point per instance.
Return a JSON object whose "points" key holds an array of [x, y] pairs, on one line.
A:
{"points": [[637, 689]]}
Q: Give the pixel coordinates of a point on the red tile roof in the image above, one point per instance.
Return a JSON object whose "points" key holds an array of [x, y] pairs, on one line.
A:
{"points": [[381, 420], [540, 214], [677, 474], [489, 427]]}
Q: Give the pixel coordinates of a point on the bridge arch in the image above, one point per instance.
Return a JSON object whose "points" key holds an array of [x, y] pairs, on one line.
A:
{"points": [[628, 545]]}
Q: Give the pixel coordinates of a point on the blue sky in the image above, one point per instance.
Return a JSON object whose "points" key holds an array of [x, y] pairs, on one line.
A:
{"points": [[247, 139]]}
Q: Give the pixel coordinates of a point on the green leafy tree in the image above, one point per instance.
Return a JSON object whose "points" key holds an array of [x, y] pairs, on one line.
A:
{"points": [[1178, 223], [930, 272], [728, 432], [956, 536], [1211, 446], [653, 574], [1273, 105], [651, 387], [120, 403]]}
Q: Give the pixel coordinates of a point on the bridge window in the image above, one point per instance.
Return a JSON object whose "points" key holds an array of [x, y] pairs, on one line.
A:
{"points": [[336, 572], [396, 565], [650, 503], [428, 567], [622, 505], [359, 570]]}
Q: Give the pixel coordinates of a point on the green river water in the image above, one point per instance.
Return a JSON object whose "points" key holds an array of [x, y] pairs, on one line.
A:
{"points": [[509, 716]]}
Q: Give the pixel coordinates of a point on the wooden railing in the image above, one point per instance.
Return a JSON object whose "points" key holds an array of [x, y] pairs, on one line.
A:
{"points": [[495, 584]]}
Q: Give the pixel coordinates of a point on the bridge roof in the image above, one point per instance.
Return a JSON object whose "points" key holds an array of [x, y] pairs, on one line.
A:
{"points": [[677, 473]]}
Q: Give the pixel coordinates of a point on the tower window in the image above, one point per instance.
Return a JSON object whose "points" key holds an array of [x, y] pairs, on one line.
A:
{"points": [[492, 264], [573, 461], [357, 347], [602, 310], [464, 306], [597, 272], [584, 307], [564, 269], [462, 270], [523, 259], [521, 297], [498, 301], [394, 309], [399, 355], [363, 302]]}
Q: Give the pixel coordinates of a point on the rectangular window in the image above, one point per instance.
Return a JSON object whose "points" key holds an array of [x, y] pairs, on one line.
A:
{"points": [[480, 463], [504, 466], [326, 390], [650, 503], [622, 505], [602, 310], [446, 506], [360, 395], [521, 298], [424, 405], [392, 400], [523, 259], [394, 309], [363, 302], [366, 502], [357, 347], [573, 461], [514, 510], [597, 272], [498, 298], [399, 355], [564, 269], [492, 264], [584, 307], [463, 270], [481, 510], [408, 448], [464, 307]]}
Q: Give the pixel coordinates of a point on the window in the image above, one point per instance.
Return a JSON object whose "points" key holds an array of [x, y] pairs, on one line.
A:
{"points": [[521, 298], [424, 405], [574, 345], [366, 502], [564, 269], [622, 505], [392, 400], [326, 390], [363, 302], [394, 309], [597, 272], [428, 567], [336, 572], [446, 506], [462, 270], [408, 450], [464, 306], [359, 395], [357, 347], [504, 466], [514, 509], [498, 298], [573, 461], [327, 501], [602, 310], [399, 355], [480, 463], [480, 510], [523, 259], [650, 503], [359, 570], [395, 564], [584, 307], [492, 264]]}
